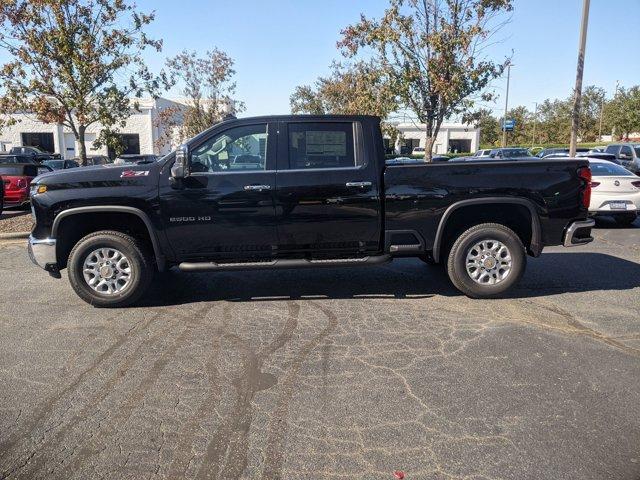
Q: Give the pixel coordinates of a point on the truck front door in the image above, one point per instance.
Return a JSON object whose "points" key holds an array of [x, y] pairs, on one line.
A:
{"points": [[327, 195], [225, 208]]}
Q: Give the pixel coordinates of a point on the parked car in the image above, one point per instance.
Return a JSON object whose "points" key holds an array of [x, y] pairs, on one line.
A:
{"points": [[599, 155], [61, 164], [628, 154], [418, 151], [559, 152], [9, 158], [615, 192], [321, 196], [482, 153], [35, 152], [94, 160], [138, 158], [1, 195], [517, 154], [16, 178]]}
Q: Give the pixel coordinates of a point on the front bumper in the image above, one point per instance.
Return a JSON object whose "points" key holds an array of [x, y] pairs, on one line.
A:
{"points": [[579, 233], [43, 252]]}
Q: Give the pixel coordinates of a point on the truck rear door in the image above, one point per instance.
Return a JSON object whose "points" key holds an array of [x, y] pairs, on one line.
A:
{"points": [[327, 189]]}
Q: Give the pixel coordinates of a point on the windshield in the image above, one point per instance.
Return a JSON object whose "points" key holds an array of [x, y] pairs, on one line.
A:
{"points": [[608, 169], [515, 152], [55, 164]]}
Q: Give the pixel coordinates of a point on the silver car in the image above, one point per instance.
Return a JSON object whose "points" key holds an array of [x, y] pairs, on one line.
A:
{"points": [[615, 192]]}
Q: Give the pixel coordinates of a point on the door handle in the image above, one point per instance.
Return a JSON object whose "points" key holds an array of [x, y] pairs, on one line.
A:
{"points": [[257, 188], [358, 184]]}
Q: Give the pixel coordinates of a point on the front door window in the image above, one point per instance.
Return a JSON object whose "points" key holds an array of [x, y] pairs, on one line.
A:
{"points": [[239, 149]]}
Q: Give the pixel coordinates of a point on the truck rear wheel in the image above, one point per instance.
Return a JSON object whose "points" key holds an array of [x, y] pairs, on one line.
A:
{"points": [[486, 261], [109, 269]]}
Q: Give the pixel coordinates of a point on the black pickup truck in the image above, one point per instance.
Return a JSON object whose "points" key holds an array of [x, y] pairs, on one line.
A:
{"points": [[301, 191]]}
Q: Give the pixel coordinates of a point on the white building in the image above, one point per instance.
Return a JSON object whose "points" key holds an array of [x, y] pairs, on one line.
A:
{"points": [[452, 138], [139, 135]]}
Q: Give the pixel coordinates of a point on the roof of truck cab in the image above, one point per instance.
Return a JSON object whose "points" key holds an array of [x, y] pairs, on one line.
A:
{"points": [[287, 118]]}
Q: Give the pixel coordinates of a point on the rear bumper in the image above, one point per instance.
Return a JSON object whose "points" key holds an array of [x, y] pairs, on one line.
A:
{"points": [[43, 252], [579, 233]]}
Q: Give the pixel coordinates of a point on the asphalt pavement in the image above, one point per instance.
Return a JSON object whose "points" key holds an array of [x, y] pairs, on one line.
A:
{"points": [[328, 374]]}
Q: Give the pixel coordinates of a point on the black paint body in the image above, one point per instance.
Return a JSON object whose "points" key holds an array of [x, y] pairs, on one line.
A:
{"points": [[312, 213]]}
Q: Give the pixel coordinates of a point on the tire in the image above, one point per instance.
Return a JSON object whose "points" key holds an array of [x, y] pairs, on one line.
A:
{"points": [[133, 257], [464, 248], [625, 219]]}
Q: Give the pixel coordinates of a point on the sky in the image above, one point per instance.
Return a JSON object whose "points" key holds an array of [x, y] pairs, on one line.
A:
{"points": [[279, 44]]}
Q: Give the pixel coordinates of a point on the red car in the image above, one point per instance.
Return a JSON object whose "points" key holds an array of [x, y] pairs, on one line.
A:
{"points": [[16, 178]]}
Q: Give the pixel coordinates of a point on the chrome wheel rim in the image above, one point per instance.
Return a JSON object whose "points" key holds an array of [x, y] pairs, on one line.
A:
{"points": [[107, 271], [489, 262]]}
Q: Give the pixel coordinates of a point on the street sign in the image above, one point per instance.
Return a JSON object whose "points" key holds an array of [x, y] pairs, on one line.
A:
{"points": [[508, 125]]}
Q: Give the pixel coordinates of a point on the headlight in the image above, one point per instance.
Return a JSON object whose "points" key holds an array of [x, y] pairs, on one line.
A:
{"points": [[35, 189]]}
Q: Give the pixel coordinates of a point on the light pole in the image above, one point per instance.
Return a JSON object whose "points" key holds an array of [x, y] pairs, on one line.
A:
{"points": [[577, 98], [535, 122], [506, 107]]}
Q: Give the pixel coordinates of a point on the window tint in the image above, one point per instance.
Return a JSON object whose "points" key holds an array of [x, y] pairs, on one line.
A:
{"points": [[604, 169], [637, 149], [612, 149], [321, 145], [626, 150], [237, 149]]}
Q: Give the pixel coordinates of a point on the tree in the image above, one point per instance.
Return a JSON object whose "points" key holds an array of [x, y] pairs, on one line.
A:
{"points": [[360, 88], [432, 51], [623, 112], [489, 126], [74, 62], [593, 99], [207, 83]]}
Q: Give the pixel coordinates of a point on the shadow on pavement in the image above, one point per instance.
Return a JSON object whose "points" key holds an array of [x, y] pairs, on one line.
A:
{"points": [[610, 224], [552, 273]]}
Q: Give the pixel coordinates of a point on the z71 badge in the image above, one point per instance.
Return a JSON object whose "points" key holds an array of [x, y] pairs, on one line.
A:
{"points": [[134, 173]]}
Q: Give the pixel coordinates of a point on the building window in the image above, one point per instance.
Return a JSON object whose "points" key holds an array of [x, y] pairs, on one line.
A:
{"points": [[130, 142], [42, 140], [459, 145]]}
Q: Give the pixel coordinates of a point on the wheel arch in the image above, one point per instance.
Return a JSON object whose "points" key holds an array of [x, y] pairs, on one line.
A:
{"points": [[157, 251], [534, 242]]}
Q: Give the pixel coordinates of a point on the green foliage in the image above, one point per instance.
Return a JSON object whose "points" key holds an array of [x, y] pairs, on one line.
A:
{"points": [[74, 62], [207, 83], [432, 53], [552, 123], [357, 89], [623, 112]]}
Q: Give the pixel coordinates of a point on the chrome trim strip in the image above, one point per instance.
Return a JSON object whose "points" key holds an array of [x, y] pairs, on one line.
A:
{"points": [[573, 228]]}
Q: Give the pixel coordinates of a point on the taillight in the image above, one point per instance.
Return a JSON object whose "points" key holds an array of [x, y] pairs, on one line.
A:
{"points": [[585, 174], [594, 184], [636, 184]]}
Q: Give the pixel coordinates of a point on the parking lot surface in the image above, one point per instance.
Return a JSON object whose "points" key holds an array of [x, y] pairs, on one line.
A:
{"points": [[335, 373]]}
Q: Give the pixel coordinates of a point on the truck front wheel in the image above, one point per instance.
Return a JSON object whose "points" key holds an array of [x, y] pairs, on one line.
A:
{"points": [[109, 269], [486, 261]]}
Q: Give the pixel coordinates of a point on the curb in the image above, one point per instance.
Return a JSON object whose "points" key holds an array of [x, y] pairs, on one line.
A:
{"points": [[14, 236]]}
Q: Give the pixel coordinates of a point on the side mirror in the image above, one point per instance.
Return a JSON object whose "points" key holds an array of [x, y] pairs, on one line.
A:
{"points": [[181, 167]]}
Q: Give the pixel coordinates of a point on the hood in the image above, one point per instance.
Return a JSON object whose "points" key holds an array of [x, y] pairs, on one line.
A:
{"points": [[99, 176]]}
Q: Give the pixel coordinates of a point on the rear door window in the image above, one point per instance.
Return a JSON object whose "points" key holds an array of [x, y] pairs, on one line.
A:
{"points": [[322, 145]]}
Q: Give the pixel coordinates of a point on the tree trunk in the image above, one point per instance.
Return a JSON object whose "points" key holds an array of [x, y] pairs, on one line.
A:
{"points": [[81, 145], [428, 148]]}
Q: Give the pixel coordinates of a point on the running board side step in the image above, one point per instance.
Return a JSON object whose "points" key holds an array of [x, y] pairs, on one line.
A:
{"points": [[284, 263]]}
